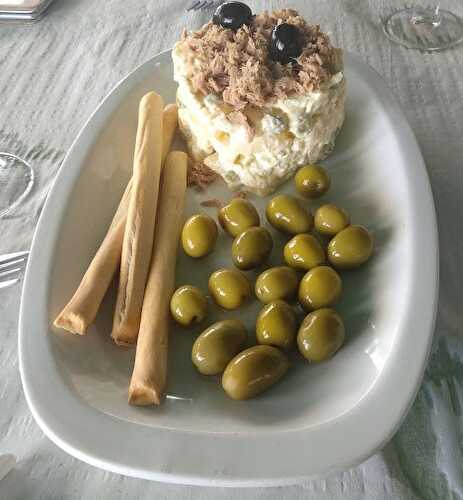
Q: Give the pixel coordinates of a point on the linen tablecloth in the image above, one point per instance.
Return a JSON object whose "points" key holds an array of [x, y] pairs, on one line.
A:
{"points": [[52, 76]]}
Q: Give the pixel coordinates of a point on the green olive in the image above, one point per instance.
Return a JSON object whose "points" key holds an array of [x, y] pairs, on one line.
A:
{"points": [[277, 283], [253, 371], [312, 181], [229, 288], [217, 345], [304, 251], [287, 214], [320, 335], [237, 216], [330, 220], [252, 248], [320, 287], [351, 247], [199, 235], [276, 325], [188, 305]]}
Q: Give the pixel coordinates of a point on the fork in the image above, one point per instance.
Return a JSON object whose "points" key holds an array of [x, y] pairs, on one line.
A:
{"points": [[11, 266], [203, 4]]}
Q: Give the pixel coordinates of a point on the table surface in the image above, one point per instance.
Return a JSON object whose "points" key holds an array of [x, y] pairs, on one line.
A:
{"points": [[52, 76]]}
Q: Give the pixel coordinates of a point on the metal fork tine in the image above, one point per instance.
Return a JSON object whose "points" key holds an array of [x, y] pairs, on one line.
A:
{"points": [[10, 263], [7, 283], [4, 274], [204, 5], [13, 256], [193, 6]]}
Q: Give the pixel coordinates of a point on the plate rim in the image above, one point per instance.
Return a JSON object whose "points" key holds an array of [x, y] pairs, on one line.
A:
{"points": [[428, 295]]}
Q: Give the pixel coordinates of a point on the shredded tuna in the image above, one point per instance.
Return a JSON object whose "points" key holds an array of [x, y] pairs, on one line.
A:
{"points": [[216, 203], [213, 203], [236, 64], [200, 175]]}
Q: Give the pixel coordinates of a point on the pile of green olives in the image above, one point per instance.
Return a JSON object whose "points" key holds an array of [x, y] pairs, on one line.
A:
{"points": [[318, 247]]}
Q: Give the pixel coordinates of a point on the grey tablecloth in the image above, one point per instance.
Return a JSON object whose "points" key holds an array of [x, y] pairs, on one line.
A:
{"points": [[54, 73]]}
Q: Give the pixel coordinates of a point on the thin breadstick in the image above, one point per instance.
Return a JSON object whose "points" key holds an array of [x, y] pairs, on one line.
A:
{"points": [[141, 216], [169, 126], [150, 370], [80, 312], [83, 307]]}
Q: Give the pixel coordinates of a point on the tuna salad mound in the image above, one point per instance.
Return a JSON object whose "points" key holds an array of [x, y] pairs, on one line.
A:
{"points": [[258, 101]]}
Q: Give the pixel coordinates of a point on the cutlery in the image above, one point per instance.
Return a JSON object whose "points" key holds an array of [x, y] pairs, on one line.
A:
{"points": [[203, 5], [11, 267]]}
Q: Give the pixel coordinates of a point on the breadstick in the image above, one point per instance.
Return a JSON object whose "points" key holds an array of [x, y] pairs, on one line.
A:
{"points": [[141, 216], [83, 307], [169, 126], [150, 370], [80, 312]]}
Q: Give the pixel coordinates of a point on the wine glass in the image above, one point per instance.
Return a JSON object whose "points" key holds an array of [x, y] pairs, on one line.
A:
{"points": [[16, 181], [424, 28]]}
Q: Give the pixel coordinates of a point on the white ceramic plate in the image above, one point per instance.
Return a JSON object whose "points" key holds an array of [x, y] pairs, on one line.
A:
{"points": [[319, 418]]}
